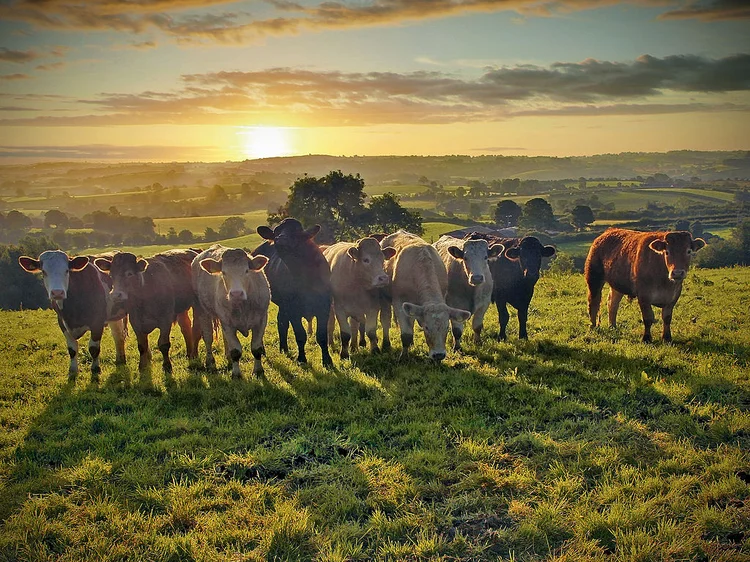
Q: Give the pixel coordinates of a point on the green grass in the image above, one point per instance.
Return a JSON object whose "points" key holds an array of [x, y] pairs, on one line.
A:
{"points": [[574, 445], [198, 225]]}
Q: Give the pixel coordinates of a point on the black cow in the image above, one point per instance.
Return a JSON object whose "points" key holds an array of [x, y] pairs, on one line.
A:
{"points": [[300, 281], [514, 275]]}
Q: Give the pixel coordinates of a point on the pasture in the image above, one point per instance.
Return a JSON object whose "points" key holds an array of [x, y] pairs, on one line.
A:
{"points": [[574, 445]]}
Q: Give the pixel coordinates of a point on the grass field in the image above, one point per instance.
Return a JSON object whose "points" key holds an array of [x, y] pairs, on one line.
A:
{"points": [[198, 225], [574, 445]]}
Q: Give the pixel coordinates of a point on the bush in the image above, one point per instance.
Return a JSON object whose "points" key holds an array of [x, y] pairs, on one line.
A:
{"points": [[563, 263], [723, 253]]}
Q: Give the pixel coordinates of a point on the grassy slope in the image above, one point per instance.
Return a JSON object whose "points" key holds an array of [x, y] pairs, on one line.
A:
{"points": [[573, 445]]}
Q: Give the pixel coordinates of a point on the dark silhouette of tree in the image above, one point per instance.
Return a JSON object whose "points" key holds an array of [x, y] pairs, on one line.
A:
{"points": [[507, 213], [185, 236], [537, 214], [16, 220], [581, 216], [55, 219], [696, 229], [682, 224], [232, 227], [210, 235], [386, 214]]}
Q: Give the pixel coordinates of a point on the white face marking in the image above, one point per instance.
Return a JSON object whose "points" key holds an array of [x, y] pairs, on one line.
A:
{"points": [[475, 261], [56, 274]]}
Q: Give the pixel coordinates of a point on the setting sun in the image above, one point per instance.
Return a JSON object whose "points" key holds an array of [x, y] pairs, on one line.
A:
{"points": [[265, 142]]}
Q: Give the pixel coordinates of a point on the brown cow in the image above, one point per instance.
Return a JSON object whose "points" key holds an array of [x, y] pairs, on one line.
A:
{"points": [[357, 275], [78, 293], [418, 288], [155, 292], [649, 266], [232, 287]]}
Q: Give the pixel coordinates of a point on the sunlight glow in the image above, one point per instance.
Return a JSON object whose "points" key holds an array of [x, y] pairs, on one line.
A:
{"points": [[266, 142]]}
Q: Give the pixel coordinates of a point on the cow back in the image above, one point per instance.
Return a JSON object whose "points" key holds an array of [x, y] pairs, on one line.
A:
{"points": [[176, 272]]}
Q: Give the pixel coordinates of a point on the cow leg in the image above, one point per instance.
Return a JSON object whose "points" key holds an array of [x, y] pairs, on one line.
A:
{"points": [[73, 353], [95, 342], [385, 321], [331, 326], [371, 328], [183, 320], [196, 333], [321, 333], [523, 316], [595, 301], [145, 359], [406, 324], [301, 336], [117, 328], [164, 345], [207, 328], [613, 305], [233, 350], [648, 318], [666, 317], [345, 330], [477, 322], [457, 329], [256, 345], [356, 327], [282, 323], [503, 317]]}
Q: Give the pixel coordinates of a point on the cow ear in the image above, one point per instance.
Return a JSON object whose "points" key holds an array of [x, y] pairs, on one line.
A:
{"points": [[548, 251], [265, 232], [312, 231], [103, 264], [379, 236], [389, 252], [29, 264], [697, 244], [512, 253], [210, 265], [495, 250], [658, 246], [456, 252], [141, 265], [78, 263], [256, 263], [413, 310], [459, 315], [353, 253]]}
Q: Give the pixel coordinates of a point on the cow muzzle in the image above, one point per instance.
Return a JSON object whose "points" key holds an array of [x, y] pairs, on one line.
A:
{"points": [[677, 274], [119, 296], [475, 280], [237, 296], [381, 281], [57, 294], [437, 355]]}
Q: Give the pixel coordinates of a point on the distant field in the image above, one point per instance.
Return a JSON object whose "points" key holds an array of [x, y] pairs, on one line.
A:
{"points": [[400, 190], [198, 225], [433, 230]]}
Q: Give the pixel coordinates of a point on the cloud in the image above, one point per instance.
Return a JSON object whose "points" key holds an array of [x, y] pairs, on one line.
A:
{"points": [[8, 55], [332, 98], [51, 66], [714, 10], [16, 76], [170, 17], [108, 151]]}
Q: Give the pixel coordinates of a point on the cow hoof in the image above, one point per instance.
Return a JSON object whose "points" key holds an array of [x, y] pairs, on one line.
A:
{"points": [[167, 367], [120, 361], [72, 375], [386, 346], [374, 350]]}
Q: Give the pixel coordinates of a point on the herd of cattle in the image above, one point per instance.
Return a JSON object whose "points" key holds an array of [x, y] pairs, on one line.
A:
{"points": [[439, 285]]}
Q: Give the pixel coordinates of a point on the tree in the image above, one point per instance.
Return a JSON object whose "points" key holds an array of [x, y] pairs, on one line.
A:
{"points": [[581, 216], [232, 227], [507, 213], [55, 219], [461, 192], [581, 183], [386, 214], [696, 229], [475, 210], [537, 214], [476, 188], [185, 236], [682, 224], [335, 202], [16, 220], [217, 195], [210, 235], [172, 235]]}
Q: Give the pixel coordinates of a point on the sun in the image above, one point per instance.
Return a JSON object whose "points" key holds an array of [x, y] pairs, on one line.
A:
{"points": [[266, 142]]}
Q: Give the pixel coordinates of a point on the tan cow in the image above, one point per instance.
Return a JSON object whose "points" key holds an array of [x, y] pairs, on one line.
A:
{"points": [[469, 280], [232, 288], [649, 266], [419, 283], [357, 275]]}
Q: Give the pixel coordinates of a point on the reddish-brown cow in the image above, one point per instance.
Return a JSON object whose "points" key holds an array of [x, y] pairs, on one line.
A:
{"points": [[155, 292], [649, 266]]}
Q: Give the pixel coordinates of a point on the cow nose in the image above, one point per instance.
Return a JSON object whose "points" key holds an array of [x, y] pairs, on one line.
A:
{"points": [[119, 295], [439, 356], [477, 279], [381, 280], [57, 294], [678, 274], [237, 295]]}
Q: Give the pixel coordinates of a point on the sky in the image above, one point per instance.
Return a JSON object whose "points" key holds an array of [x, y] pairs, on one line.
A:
{"points": [[216, 80]]}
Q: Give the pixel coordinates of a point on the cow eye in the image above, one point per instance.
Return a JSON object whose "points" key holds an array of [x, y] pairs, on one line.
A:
{"points": [[366, 260], [129, 274]]}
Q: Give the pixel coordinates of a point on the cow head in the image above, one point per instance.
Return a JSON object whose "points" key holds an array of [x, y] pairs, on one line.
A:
{"points": [[678, 249], [474, 256], [126, 271], [434, 318], [529, 253], [235, 267], [288, 235], [55, 267], [369, 259]]}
